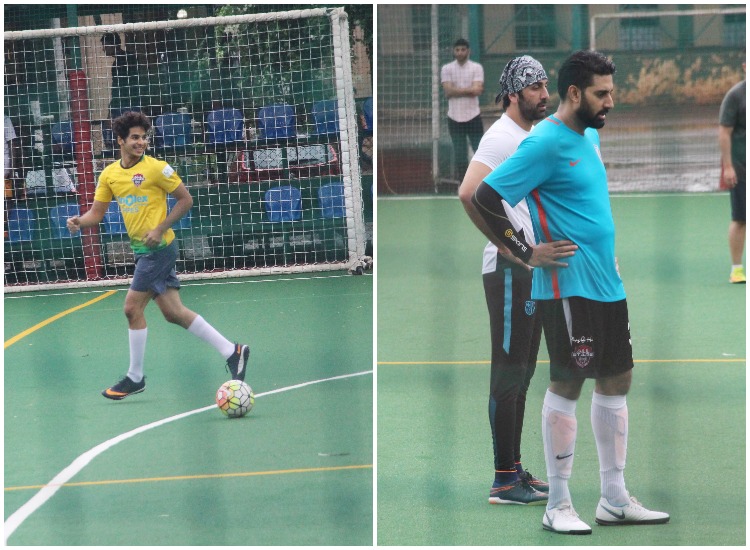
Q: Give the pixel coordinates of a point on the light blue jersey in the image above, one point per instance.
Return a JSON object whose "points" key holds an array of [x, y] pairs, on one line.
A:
{"points": [[561, 175]]}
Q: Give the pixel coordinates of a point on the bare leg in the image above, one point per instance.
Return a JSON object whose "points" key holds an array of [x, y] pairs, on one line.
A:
{"points": [[736, 241]]}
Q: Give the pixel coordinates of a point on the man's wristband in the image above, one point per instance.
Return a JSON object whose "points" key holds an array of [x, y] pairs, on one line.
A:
{"points": [[518, 245], [489, 205]]}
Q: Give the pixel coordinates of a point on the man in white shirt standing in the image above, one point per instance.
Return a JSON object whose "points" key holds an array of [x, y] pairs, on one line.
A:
{"points": [[463, 83], [515, 329]]}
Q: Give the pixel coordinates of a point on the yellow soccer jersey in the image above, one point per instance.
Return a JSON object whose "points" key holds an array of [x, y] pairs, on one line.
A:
{"points": [[141, 192]]}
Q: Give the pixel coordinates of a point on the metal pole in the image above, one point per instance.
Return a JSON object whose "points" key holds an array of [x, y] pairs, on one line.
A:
{"points": [[435, 94]]}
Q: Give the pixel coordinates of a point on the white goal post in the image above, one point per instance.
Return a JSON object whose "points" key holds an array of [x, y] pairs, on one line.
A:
{"points": [[650, 14], [255, 112]]}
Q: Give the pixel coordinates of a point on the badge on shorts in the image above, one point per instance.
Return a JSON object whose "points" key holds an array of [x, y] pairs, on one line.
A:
{"points": [[530, 307], [582, 355]]}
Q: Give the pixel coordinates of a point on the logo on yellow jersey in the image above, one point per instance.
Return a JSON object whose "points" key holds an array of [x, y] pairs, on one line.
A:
{"points": [[138, 179]]}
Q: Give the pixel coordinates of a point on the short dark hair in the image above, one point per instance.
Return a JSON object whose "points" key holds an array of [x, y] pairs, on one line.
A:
{"points": [[131, 119], [579, 69], [461, 42]]}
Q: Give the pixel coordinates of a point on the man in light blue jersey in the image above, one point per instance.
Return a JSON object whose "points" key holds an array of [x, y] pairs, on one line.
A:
{"points": [[559, 171]]}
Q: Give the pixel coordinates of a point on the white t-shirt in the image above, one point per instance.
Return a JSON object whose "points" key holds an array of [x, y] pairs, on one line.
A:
{"points": [[498, 143], [10, 135], [462, 109]]}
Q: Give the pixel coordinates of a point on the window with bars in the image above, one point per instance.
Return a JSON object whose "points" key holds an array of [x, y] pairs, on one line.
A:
{"points": [[535, 27], [640, 33], [734, 30]]}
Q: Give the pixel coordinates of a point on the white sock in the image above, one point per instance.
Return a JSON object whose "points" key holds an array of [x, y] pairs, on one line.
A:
{"points": [[559, 430], [200, 328], [609, 420], [137, 340]]}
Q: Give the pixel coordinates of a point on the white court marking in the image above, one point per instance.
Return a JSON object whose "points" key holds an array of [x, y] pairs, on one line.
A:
{"points": [[15, 520]]}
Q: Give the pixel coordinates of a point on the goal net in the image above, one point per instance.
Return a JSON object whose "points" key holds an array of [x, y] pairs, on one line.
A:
{"points": [[256, 113]]}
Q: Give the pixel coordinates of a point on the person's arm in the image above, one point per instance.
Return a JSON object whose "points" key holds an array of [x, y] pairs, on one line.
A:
{"points": [[451, 90], [476, 172], [94, 216], [489, 205], [182, 206], [477, 88], [725, 148]]}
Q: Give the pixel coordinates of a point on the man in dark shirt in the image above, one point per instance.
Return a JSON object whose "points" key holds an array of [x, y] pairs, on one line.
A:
{"points": [[732, 146]]}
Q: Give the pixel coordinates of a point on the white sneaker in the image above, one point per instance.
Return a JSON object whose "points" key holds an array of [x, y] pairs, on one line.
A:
{"points": [[633, 513], [564, 519]]}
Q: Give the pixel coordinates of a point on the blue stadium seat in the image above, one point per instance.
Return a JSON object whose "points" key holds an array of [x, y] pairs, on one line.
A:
{"points": [[185, 222], [326, 117], [113, 222], [62, 138], [277, 122], [21, 225], [225, 126], [58, 217], [331, 199], [283, 204], [367, 116], [173, 130]]}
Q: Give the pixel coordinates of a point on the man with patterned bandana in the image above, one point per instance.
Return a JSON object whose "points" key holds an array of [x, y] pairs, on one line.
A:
{"points": [[515, 329]]}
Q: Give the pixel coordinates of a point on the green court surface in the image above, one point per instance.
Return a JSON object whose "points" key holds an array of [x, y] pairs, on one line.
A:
{"points": [[686, 452], [298, 470]]}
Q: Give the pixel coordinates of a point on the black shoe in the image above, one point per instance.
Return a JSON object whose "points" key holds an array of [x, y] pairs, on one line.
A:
{"points": [[238, 361], [124, 388], [516, 492], [535, 482]]}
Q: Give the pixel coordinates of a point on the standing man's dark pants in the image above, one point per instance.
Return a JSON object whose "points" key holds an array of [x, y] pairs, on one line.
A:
{"points": [[460, 132]]}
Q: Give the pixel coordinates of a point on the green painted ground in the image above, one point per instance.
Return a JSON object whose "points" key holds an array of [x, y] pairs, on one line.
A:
{"points": [[686, 452], [297, 471]]}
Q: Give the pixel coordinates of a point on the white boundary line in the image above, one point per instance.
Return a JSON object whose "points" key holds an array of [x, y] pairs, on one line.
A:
{"points": [[15, 520]]}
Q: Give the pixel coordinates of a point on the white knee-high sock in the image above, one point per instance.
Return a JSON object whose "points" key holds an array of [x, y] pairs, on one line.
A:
{"points": [[200, 328], [559, 430], [609, 420], [137, 340]]}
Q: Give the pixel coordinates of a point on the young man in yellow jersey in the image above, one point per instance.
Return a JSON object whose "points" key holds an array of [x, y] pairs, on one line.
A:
{"points": [[140, 184]]}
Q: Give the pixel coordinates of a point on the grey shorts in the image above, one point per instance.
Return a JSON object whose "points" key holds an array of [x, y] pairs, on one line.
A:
{"points": [[155, 271]]}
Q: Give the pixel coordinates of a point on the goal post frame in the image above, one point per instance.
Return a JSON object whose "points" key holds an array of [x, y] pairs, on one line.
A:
{"points": [[353, 227], [651, 14]]}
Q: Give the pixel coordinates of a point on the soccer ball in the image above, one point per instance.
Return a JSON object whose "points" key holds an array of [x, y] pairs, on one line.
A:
{"points": [[235, 398]]}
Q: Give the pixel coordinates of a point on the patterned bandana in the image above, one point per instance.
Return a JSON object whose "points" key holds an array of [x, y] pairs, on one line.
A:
{"points": [[519, 73]]}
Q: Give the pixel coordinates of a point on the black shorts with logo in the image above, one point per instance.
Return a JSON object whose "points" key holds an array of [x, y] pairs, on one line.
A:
{"points": [[586, 338]]}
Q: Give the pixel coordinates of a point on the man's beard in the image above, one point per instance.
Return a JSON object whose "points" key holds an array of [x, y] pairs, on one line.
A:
{"points": [[587, 117], [530, 111]]}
